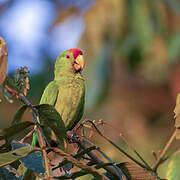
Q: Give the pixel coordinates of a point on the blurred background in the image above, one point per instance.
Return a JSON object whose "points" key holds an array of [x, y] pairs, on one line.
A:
{"points": [[131, 49]]}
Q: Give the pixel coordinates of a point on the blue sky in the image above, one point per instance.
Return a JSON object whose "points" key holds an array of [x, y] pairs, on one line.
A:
{"points": [[25, 28]]}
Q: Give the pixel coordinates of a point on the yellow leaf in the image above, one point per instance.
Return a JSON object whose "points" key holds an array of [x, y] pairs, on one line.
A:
{"points": [[177, 117], [3, 60]]}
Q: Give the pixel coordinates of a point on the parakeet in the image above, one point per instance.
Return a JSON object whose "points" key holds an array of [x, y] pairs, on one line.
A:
{"points": [[67, 91]]}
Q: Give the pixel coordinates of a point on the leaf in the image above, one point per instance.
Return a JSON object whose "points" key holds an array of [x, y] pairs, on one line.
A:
{"points": [[11, 156], [3, 60], [29, 175], [11, 84], [173, 169], [21, 80], [133, 171], [18, 116], [77, 174], [173, 46], [50, 118], [100, 71], [6, 174], [177, 116], [33, 161], [11, 131], [142, 25]]}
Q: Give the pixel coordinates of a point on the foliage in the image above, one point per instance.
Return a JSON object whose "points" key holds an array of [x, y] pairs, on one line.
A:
{"points": [[172, 172], [36, 163], [132, 49]]}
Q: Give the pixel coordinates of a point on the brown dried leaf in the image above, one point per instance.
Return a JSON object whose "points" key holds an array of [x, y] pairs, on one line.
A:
{"points": [[135, 172], [3, 60], [177, 116]]}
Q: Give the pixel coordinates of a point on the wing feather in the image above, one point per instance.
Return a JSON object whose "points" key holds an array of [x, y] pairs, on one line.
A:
{"points": [[50, 94]]}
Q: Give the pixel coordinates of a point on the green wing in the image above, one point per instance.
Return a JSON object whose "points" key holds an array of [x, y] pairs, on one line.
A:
{"points": [[50, 94], [49, 97]]}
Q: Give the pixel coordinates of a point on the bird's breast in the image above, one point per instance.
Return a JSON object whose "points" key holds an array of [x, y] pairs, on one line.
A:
{"points": [[68, 100]]}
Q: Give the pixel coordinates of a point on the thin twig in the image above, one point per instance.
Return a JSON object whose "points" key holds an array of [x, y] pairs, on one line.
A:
{"points": [[35, 115], [115, 130], [164, 151], [27, 136], [42, 145], [120, 149]]}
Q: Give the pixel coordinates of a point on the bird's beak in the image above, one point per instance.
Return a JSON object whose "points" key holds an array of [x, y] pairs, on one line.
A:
{"points": [[79, 63]]}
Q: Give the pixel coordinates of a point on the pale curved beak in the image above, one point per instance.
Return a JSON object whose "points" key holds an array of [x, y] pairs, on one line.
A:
{"points": [[79, 63]]}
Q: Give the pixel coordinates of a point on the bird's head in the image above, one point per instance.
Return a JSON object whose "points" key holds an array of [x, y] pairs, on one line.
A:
{"points": [[70, 61], [78, 60]]}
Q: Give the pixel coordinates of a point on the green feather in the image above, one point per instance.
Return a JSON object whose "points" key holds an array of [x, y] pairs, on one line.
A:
{"points": [[50, 94], [66, 92]]}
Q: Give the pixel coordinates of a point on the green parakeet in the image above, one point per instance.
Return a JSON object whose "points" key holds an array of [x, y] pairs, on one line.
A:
{"points": [[66, 92]]}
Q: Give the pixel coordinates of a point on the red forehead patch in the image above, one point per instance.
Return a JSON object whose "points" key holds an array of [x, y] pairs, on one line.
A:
{"points": [[76, 52]]}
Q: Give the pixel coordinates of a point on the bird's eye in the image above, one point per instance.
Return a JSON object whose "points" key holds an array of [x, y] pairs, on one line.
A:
{"points": [[67, 56]]}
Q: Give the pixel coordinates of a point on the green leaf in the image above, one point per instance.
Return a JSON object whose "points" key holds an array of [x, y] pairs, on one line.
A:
{"points": [[6, 174], [99, 70], [142, 25], [173, 46], [29, 175], [33, 161], [173, 169], [50, 118], [11, 156], [18, 116], [11, 131], [11, 84]]}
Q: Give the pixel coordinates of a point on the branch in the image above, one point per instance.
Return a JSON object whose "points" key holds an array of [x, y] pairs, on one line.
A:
{"points": [[78, 155], [40, 133], [42, 145], [116, 131], [120, 149], [79, 164], [96, 159], [164, 151], [120, 173]]}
